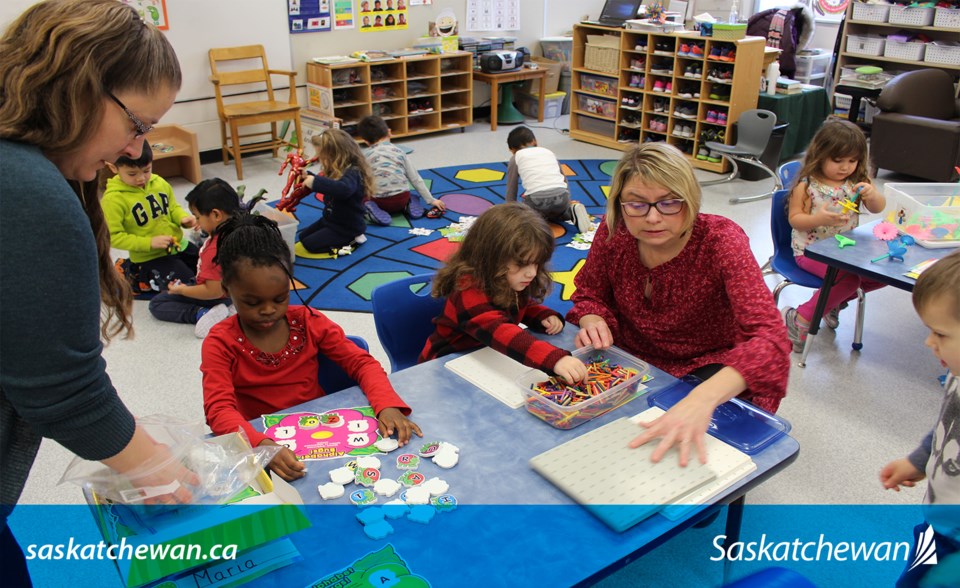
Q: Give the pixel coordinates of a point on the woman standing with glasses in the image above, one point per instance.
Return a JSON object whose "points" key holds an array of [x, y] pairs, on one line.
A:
{"points": [[682, 291], [81, 81]]}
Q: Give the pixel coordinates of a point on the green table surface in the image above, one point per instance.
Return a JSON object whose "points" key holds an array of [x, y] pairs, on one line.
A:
{"points": [[805, 112]]}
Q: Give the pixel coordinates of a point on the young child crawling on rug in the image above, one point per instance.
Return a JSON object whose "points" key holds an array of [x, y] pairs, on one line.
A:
{"points": [[264, 359]]}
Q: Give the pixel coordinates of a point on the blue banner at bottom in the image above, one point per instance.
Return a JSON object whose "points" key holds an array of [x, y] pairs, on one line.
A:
{"points": [[530, 546]]}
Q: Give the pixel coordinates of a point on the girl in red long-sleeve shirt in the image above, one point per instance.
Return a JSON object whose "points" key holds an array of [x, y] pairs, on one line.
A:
{"points": [[495, 281], [681, 290], [265, 358]]}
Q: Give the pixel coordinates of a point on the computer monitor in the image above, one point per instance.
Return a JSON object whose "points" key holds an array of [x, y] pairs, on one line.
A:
{"points": [[616, 12]]}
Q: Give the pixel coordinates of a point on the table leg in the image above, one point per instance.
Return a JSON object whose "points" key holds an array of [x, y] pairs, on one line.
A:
{"points": [[732, 530], [494, 100], [543, 87], [828, 280]]}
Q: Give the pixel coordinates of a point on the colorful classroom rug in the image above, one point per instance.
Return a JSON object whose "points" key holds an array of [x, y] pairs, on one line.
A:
{"points": [[345, 282]]}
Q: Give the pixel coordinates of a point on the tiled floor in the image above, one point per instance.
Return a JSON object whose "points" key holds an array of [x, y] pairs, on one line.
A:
{"points": [[851, 411]]}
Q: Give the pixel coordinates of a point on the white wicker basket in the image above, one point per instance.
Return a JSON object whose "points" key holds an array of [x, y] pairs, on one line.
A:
{"points": [[918, 17], [904, 51], [947, 18], [865, 44], [870, 12], [946, 54]]}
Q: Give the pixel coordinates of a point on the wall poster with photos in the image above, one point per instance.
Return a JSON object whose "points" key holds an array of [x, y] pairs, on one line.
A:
{"points": [[382, 15]]}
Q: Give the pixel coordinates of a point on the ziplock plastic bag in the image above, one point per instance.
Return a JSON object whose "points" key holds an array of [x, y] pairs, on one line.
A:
{"points": [[224, 466]]}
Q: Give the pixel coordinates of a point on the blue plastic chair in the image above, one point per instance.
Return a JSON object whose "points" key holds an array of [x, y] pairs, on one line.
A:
{"points": [[785, 264], [331, 376], [788, 172], [403, 312]]}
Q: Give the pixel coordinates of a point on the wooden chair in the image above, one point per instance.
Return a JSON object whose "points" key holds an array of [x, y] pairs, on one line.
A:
{"points": [[239, 114]]}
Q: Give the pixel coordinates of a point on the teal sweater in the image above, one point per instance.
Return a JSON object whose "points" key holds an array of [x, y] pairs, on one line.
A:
{"points": [[137, 215], [53, 381]]}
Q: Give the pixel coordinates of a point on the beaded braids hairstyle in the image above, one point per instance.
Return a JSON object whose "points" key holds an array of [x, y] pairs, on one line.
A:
{"points": [[940, 279], [836, 138], [57, 62], [510, 232], [338, 152], [250, 238], [655, 164]]}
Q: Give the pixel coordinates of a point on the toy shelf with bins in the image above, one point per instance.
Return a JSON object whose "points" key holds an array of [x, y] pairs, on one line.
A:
{"points": [[856, 23], [414, 95], [662, 93]]}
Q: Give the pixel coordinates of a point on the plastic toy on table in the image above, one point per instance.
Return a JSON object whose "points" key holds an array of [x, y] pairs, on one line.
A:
{"points": [[844, 241]]}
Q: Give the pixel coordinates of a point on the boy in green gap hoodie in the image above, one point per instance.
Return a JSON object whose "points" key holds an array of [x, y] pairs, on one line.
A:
{"points": [[145, 219]]}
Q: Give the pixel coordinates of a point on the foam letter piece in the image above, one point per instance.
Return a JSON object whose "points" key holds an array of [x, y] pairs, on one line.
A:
{"points": [[342, 476], [330, 490], [417, 495], [422, 513], [386, 487], [436, 486], [368, 461], [447, 455], [369, 516], [387, 444], [395, 509], [378, 530]]}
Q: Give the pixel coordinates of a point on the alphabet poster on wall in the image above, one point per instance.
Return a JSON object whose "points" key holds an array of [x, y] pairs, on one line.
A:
{"points": [[309, 16], [383, 15]]}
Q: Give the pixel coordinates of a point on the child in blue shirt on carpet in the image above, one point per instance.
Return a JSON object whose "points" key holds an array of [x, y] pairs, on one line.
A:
{"points": [[392, 174], [345, 184], [936, 298]]}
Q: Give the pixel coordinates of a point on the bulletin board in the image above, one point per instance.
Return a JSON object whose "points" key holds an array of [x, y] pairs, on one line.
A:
{"points": [[309, 16]]}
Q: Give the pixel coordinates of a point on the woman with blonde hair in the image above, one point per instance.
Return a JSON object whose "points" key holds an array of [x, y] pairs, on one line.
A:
{"points": [[680, 289], [81, 83]]}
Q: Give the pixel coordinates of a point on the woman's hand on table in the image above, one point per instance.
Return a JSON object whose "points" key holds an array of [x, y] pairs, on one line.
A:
{"points": [[594, 331], [285, 463], [391, 419]]}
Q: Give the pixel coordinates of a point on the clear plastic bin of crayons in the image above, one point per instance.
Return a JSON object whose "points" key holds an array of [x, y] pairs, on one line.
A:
{"points": [[614, 378]]}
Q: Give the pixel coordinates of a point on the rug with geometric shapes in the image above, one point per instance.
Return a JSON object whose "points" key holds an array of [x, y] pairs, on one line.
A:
{"points": [[344, 283]]}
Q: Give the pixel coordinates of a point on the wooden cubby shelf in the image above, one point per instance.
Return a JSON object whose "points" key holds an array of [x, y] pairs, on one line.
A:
{"points": [[398, 89], [661, 93]]}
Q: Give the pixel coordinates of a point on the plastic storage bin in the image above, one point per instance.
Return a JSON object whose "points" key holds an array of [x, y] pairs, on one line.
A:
{"points": [[595, 125], [947, 18], [930, 213], [812, 65], [870, 12], [552, 104], [287, 224], [568, 417], [598, 106], [943, 52], [558, 49], [599, 84], [905, 15], [910, 51], [865, 44]]}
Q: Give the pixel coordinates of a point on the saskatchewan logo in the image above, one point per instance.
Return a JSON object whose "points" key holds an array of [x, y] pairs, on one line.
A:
{"points": [[926, 552]]}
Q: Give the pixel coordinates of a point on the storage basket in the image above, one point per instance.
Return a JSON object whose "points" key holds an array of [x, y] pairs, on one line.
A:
{"points": [[942, 53], [905, 51], [947, 18], [599, 84], [597, 106], [729, 32], [865, 44], [904, 15], [599, 58], [870, 12]]}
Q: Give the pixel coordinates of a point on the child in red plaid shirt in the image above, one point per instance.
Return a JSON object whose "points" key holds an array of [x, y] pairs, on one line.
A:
{"points": [[495, 281]]}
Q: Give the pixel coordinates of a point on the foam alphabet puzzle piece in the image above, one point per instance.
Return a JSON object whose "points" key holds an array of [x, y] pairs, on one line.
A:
{"points": [[368, 461], [330, 490], [378, 530], [429, 448], [387, 444], [447, 455], [436, 486], [395, 509], [386, 487], [363, 496], [408, 461], [444, 502], [369, 516], [367, 476], [342, 476], [417, 495], [422, 513]]}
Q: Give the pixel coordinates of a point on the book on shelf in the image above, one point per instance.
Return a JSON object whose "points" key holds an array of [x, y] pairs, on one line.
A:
{"points": [[335, 59], [372, 55]]}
